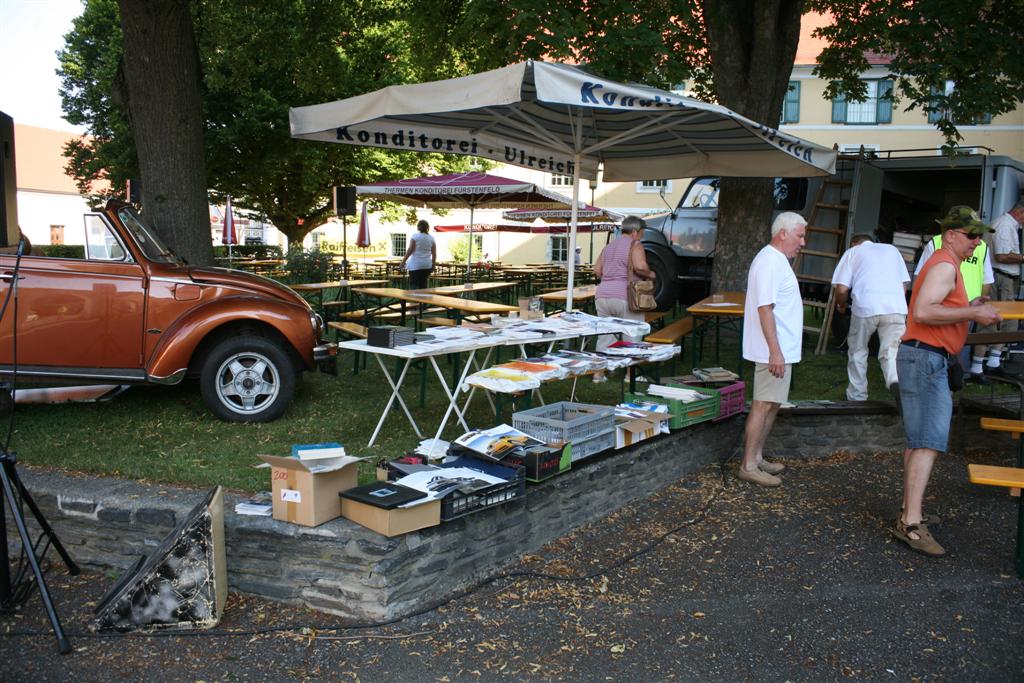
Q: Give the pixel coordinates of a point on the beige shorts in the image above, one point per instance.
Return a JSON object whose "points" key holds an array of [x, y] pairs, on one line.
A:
{"points": [[768, 387]]}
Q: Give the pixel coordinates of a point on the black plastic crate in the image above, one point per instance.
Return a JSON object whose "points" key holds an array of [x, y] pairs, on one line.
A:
{"points": [[542, 462], [457, 504]]}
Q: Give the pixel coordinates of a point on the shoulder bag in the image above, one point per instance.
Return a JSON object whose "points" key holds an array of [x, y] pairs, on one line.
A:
{"points": [[639, 294]]}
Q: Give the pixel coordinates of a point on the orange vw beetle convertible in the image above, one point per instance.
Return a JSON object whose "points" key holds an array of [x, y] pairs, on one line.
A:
{"points": [[127, 310]]}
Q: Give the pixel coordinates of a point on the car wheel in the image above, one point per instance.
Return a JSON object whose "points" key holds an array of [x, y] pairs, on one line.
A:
{"points": [[247, 379], [663, 263]]}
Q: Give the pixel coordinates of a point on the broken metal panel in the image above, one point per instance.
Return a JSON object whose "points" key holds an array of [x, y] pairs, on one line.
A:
{"points": [[182, 585]]}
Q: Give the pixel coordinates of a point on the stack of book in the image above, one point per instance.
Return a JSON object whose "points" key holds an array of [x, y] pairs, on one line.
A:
{"points": [[678, 393]]}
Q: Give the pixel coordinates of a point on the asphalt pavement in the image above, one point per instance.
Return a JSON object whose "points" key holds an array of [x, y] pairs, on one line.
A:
{"points": [[709, 579]]}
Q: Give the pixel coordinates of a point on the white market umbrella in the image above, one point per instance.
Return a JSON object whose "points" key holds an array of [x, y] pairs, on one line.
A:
{"points": [[560, 119], [472, 190]]}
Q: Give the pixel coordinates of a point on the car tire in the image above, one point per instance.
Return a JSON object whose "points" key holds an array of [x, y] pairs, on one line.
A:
{"points": [[247, 378], [663, 263]]}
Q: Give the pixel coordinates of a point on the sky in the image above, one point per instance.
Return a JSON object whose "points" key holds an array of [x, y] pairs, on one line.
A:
{"points": [[31, 32]]}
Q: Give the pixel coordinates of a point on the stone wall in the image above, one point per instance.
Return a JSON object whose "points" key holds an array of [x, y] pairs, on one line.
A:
{"points": [[345, 569]]}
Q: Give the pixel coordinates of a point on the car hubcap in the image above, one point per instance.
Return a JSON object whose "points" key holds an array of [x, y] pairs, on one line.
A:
{"points": [[247, 382]]}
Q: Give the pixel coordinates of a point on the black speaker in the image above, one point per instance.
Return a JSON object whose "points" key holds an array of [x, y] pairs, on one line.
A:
{"points": [[133, 191], [8, 184], [345, 201]]}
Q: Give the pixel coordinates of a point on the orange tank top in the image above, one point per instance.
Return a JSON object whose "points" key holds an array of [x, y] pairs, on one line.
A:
{"points": [[952, 335]]}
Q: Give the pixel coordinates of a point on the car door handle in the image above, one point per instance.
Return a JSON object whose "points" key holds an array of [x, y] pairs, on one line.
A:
{"points": [[7, 277]]}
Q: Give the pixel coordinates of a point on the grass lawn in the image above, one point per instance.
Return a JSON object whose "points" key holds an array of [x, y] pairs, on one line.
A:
{"points": [[161, 434]]}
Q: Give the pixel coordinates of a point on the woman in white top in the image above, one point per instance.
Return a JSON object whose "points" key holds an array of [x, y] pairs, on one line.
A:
{"points": [[420, 256]]}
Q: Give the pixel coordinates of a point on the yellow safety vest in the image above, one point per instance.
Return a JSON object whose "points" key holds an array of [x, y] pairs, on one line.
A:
{"points": [[972, 268]]}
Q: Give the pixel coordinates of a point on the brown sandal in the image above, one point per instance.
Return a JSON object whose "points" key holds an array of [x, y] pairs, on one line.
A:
{"points": [[918, 538]]}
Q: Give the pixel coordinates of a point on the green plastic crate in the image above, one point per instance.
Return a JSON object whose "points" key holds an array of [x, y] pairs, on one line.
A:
{"points": [[685, 414]]}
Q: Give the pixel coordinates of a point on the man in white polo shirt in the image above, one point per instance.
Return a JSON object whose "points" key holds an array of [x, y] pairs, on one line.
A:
{"points": [[877, 275], [773, 324]]}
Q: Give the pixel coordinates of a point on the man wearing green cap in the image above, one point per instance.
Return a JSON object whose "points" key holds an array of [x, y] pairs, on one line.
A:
{"points": [[937, 324]]}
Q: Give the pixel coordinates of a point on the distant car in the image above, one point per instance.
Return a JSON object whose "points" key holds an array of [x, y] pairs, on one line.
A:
{"points": [[125, 309]]}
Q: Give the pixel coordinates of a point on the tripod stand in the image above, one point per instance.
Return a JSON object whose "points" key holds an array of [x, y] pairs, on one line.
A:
{"points": [[14, 590]]}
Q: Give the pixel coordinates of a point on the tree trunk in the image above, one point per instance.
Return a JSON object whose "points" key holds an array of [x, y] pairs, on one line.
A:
{"points": [[160, 65], [752, 48]]}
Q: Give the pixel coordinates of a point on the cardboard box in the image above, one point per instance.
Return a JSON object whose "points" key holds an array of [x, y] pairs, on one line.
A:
{"points": [[631, 430], [306, 492], [531, 308], [392, 522]]}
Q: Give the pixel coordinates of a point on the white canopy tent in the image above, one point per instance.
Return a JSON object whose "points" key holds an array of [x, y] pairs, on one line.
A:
{"points": [[561, 119]]}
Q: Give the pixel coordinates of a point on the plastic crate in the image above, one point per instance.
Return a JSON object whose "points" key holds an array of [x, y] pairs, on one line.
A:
{"points": [[589, 428], [733, 395], [458, 504], [542, 462], [685, 414]]}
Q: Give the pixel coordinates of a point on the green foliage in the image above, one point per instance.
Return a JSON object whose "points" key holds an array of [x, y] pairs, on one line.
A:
{"points": [[310, 265], [256, 251], [60, 250], [88, 70], [257, 61], [662, 44], [459, 248], [976, 46]]}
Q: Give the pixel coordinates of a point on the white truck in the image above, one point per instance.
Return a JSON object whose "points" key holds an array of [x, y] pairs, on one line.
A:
{"points": [[899, 192]]}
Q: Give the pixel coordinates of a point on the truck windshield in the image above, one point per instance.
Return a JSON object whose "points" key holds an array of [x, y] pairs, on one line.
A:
{"points": [[702, 194], [145, 237], [789, 194]]}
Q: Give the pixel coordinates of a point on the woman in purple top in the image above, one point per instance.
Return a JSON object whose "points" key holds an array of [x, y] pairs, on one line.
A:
{"points": [[612, 268]]}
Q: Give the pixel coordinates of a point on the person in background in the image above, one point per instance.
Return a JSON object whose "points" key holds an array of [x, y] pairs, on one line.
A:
{"points": [[773, 328], [877, 275], [1008, 260], [612, 267], [940, 314], [978, 281], [420, 256]]}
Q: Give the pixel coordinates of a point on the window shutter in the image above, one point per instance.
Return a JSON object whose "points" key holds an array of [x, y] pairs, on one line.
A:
{"points": [[550, 249], [883, 113], [839, 109]]}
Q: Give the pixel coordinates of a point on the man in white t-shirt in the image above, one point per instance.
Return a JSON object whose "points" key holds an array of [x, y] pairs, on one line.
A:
{"points": [[1008, 260], [877, 275], [773, 325]]}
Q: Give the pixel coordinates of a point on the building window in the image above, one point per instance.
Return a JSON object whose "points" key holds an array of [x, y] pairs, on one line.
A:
{"points": [[654, 186], [561, 181], [876, 108], [791, 105], [867, 149], [937, 112], [56, 234], [399, 243], [558, 248]]}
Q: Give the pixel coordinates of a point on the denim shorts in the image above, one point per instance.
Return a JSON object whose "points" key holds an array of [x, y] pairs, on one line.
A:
{"points": [[925, 397]]}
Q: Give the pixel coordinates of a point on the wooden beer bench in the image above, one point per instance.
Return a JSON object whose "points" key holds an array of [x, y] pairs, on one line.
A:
{"points": [[1011, 478]]}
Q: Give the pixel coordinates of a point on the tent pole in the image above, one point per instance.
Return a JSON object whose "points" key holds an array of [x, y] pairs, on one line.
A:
{"points": [[571, 256], [469, 253]]}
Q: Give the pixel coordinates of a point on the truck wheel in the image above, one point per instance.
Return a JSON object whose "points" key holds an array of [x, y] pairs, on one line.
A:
{"points": [[247, 379], [663, 263]]}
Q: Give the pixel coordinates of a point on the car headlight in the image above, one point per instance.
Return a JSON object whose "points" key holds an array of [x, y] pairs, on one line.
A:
{"points": [[317, 322]]}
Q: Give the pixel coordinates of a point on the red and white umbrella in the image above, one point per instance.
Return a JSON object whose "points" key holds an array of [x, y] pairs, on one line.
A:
{"points": [[471, 190], [585, 213], [363, 237], [228, 235]]}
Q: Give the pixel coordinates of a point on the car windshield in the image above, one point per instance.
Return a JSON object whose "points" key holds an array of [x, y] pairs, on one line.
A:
{"points": [[145, 236]]}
